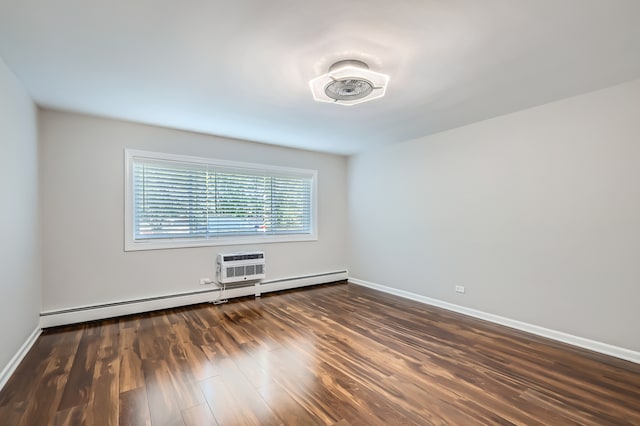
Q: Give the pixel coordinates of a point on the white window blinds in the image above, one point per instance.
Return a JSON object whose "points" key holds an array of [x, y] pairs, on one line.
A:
{"points": [[203, 200]]}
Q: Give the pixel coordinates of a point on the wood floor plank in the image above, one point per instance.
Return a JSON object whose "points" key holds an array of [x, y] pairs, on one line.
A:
{"points": [[226, 407], [161, 396], [199, 415], [43, 402], [233, 400], [73, 416], [286, 407], [134, 408], [81, 375], [131, 376], [104, 402], [328, 355]]}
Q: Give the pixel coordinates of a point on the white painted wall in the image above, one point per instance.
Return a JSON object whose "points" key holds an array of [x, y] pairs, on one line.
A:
{"points": [[537, 213], [20, 247], [83, 171]]}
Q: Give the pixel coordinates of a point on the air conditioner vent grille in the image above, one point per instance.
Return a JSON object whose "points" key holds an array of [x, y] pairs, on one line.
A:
{"points": [[246, 256]]}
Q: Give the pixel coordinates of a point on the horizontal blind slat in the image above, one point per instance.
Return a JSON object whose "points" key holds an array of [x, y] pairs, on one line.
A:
{"points": [[173, 200]]}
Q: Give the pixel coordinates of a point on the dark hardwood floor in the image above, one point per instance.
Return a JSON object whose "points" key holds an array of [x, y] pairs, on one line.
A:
{"points": [[337, 355]]}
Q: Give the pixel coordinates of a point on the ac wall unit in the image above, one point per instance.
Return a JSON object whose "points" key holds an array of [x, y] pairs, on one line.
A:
{"points": [[240, 267]]}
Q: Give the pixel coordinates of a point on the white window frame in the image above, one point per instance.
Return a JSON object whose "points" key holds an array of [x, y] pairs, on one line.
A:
{"points": [[131, 244]]}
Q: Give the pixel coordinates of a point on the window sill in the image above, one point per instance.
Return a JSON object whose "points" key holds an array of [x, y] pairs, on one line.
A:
{"points": [[131, 245]]}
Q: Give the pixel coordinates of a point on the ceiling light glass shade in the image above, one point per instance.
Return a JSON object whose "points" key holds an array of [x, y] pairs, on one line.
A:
{"points": [[349, 83]]}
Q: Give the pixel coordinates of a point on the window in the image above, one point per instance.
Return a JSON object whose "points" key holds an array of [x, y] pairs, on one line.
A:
{"points": [[179, 201]]}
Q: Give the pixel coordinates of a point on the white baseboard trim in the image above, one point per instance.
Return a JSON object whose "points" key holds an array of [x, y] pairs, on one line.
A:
{"points": [[14, 362], [603, 348], [85, 313]]}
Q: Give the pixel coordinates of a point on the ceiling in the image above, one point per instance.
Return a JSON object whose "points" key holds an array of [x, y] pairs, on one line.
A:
{"points": [[242, 68]]}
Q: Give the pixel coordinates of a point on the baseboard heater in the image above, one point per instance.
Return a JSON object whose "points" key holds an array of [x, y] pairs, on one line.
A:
{"points": [[134, 306], [239, 268]]}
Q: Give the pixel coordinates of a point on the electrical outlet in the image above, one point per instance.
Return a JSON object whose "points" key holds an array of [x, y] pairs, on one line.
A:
{"points": [[205, 281], [459, 289]]}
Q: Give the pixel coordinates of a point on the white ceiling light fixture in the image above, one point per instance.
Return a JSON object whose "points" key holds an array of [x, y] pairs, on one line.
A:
{"points": [[349, 82]]}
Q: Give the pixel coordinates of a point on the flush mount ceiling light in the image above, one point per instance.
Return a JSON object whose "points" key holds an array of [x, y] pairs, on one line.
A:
{"points": [[349, 82]]}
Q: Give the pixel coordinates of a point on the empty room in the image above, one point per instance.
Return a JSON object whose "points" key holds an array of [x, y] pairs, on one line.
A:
{"points": [[304, 213]]}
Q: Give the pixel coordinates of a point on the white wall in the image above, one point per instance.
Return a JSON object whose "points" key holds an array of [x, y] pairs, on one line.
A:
{"points": [[82, 168], [537, 213], [20, 250]]}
